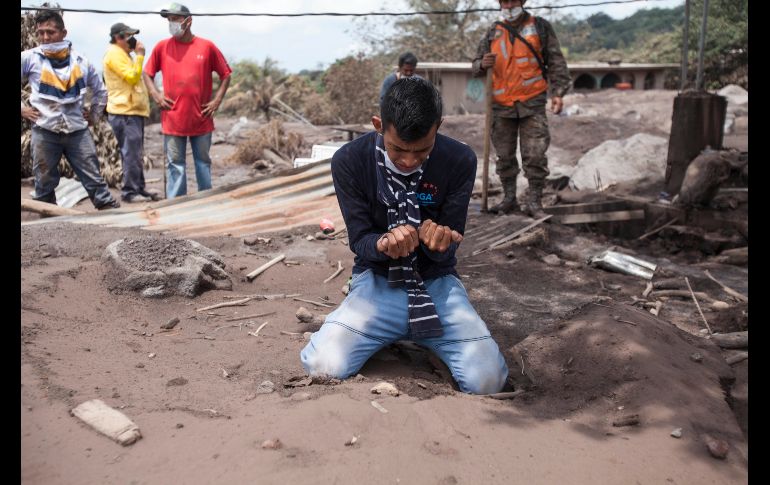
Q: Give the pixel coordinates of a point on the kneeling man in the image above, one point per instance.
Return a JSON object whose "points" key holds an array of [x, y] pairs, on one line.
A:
{"points": [[404, 192]]}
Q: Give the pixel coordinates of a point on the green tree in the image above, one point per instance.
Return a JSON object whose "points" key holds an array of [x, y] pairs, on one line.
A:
{"points": [[726, 50], [437, 37]]}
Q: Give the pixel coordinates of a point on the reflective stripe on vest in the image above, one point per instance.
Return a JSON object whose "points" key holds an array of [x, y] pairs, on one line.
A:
{"points": [[516, 75]]}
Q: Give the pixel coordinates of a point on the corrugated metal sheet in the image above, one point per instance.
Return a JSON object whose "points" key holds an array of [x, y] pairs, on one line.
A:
{"points": [[68, 193], [298, 197]]}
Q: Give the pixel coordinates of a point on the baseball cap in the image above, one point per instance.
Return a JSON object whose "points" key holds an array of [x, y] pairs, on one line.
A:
{"points": [[175, 9], [121, 28]]}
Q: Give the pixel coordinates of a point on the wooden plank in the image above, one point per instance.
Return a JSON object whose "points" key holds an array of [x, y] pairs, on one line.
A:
{"points": [[600, 217], [46, 209], [734, 340], [587, 207]]}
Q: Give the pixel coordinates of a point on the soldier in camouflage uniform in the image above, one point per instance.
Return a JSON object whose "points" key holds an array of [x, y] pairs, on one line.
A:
{"points": [[526, 60]]}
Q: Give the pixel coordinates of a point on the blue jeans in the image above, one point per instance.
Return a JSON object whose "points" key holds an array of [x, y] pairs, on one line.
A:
{"points": [[79, 150], [129, 131], [375, 315], [176, 147]]}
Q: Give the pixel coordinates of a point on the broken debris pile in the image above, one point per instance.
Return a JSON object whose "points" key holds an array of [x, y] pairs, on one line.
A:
{"points": [[160, 267], [269, 147]]}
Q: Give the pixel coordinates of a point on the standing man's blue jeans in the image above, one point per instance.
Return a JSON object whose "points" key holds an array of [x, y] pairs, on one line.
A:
{"points": [[176, 148], [79, 150], [129, 130], [375, 315]]}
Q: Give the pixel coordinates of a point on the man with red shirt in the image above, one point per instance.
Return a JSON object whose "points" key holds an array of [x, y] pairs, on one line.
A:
{"points": [[187, 109]]}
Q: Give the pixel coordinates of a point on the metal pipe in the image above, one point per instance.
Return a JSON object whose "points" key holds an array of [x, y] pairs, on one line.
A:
{"points": [[685, 45], [701, 46]]}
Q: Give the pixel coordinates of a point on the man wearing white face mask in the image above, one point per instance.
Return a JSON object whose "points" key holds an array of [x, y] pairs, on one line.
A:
{"points": [[58, 77], [523, 52], [187, 109]]}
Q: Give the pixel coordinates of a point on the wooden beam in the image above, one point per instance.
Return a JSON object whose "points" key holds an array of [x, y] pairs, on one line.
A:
{"points": [[600, 217], [734, 340], [587, 207], [47, 210]]}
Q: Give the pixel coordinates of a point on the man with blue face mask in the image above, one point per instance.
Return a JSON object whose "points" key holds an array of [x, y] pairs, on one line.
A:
{"points": [[526, 61], [58, 77], [404, 191], [187, 110]]}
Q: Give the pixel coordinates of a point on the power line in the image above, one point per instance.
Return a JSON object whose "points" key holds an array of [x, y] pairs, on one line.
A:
{"points": [[333, 14]]}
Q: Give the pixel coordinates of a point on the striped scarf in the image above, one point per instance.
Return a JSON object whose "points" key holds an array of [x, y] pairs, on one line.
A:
{"points": [[61, 79], [398, 193]]}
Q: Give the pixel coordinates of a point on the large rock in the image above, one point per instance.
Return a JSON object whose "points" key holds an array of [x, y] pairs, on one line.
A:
{"points": [[640, 156], [736, 95], [160, 267]]}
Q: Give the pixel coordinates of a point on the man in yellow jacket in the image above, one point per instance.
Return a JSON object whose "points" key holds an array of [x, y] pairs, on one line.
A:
{"points": [[128, 106]]}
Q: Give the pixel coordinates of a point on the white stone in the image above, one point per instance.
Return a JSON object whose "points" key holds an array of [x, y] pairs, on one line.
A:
{"points": [[385, 388]]}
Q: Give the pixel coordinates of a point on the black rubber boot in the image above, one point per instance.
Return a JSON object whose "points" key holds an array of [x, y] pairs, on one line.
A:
{"points": [[509, 203], [534, 206]]}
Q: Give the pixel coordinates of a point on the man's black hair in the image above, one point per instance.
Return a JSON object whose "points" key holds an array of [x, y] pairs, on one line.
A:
{"points": [[413, 106], [46, 15], [407, 58]]}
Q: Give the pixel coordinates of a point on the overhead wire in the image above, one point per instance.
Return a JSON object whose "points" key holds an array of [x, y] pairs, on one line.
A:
{"points": [[333, 14]]}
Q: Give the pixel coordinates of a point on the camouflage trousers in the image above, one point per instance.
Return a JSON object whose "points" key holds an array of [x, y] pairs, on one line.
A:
{"points": [[535, 138]]}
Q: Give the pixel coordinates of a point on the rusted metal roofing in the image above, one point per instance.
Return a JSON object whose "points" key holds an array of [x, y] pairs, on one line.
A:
{"points": [[297, 197]]}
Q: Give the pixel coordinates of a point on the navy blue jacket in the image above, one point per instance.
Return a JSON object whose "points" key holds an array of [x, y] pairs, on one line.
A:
{"points": [[444, 193]]}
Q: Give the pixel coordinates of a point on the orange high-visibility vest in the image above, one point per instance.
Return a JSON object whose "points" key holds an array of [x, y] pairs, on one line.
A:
{"points": [[516, 75]]}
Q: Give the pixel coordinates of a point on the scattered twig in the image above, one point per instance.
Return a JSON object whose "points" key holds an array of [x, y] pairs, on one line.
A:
{"points": [[265, 266], [337, 232], [336, 273], [255, 333], [506, 395], [618, 319], [227, 303], [736, 357], [727, 289], [680, 294], [647, 290], [686, 280], [234, 319], [293, 334], [239, 325], [655, 231], [168, 333], [656, 311], [314, 302], [276, 296], [599, 304]]}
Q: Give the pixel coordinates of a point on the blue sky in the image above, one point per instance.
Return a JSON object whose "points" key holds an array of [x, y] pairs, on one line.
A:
{"points": [[296, 43]]}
